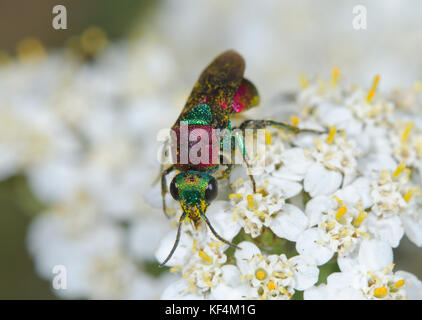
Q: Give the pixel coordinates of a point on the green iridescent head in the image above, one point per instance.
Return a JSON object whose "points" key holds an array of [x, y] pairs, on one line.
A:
{"points": [[194, 190]]}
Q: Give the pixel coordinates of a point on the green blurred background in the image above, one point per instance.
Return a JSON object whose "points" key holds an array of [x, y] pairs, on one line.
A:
{"points": [[26, 18]]}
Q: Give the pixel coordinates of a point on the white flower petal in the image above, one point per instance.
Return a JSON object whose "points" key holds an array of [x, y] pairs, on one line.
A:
{"points": [[359, 190], [413, 285], [334, 114], [321, 181], [375, 254], [348, 263], [222, 220], [54, 181], [179, 290], [231, 274], [145, 234], [315, 207], [316, 293], [308, 243], [294, 166], [388, 229], [362, 187], [224, 292], [305, 271], [340, 286], [347, 293], [183, 250], [376, 162], [413, 228], [9, 162], [231, 287], [289, 223], [153, 196], [247, 250], [289, 188]]}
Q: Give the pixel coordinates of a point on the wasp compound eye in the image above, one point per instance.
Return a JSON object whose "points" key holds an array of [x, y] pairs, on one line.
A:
{"points": [[211, 190], [174, 190]]}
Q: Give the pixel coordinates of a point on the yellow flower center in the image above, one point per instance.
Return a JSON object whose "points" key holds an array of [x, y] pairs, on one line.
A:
{"points": [[362, 216], [260, 274], [399, 284], [341, 212], [409, 194], [295, 121], [334, 77], [93, 40], [30, 49], [407, 129], [380, 292], [207, 280], [234, 195], [303, 81], [271, 285], [371, 92], [401, 166], [195, 245], [267, 137], [251, 204], [205, 256], [331, 134]]}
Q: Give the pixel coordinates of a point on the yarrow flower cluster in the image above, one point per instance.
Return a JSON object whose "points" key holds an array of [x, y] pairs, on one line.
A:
{"points": [[346, 196]]}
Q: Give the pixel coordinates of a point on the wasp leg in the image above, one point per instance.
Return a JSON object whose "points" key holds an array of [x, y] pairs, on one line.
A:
{"points": [[175, 242], [226, 172], [241, 142], [257, 124], [164, 190], [203, 216]]}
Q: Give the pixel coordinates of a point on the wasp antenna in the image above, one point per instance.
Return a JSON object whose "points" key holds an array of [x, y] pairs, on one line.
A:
{"points": [[203, 216], [175, 242]]}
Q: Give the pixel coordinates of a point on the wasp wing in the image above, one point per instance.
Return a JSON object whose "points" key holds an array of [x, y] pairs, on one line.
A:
{"points": [[245, 97], [216, 87]]}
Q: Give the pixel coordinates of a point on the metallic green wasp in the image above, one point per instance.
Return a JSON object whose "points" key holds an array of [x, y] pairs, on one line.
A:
{"points": [[220, 92]]}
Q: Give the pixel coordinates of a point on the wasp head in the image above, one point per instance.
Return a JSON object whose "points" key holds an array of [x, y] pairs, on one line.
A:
{"points": [[194, 190]]}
